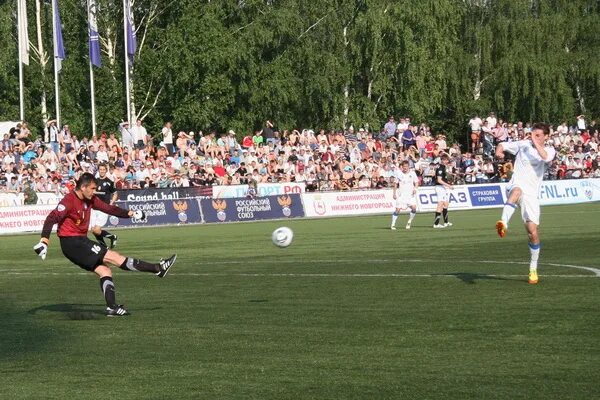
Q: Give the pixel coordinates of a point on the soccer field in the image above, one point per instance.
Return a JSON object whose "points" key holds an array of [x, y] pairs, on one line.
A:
{"points": [[351, 310]]}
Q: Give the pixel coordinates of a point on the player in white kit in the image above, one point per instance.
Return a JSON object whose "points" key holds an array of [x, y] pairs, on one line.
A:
{"points": [[532, 157], [405, 193]]}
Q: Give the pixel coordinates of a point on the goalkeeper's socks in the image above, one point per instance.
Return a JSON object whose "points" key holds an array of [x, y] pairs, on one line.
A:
{"points": [[437, 218], [445, 214], [108, 290], [133, 264]]}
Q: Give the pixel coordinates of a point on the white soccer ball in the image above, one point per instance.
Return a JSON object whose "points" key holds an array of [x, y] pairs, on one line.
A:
{"points": [[282, 237]]}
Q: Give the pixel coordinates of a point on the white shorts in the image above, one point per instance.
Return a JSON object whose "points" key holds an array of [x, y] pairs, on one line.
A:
{"points": [[529, 204], [98, 218], [404, 202], [441, 192]]}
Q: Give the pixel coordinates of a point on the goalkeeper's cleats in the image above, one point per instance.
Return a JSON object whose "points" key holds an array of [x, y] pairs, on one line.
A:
{"points": [[533, 277], [165, 265], [501, 228], [113, 240], [408, 225], [393, 227], [116, 311], [447, 224]]}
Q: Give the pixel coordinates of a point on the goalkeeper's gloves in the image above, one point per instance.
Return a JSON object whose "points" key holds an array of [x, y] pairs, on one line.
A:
{"points": [[139, 214], [41, 249]]}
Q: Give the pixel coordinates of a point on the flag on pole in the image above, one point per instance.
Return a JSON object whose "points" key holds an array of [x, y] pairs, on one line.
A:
{"points": [[94, 38], [23, 34], [131, 41], [59, 48]]}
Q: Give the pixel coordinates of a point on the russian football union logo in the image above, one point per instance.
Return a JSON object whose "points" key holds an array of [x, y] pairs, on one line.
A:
{"points": [[181, 207], [220, 206], [588, 190], [114, 221], [285, 202]]}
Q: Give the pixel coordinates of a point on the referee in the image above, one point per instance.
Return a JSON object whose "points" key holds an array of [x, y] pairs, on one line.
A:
{"points": [[108, 194], [442, 186]]}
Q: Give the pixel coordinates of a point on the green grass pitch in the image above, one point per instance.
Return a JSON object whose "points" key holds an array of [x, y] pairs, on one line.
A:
{"points": [[351, 310]]}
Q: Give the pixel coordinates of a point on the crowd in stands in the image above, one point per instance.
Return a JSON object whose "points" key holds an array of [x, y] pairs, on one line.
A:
{"points": [[322, 159]]}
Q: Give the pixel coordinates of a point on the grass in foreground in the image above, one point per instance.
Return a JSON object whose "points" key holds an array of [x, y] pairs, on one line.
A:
{"points": [[351, 310]]}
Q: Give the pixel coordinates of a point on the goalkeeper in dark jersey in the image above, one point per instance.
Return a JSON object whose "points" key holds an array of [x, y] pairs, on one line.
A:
{"points": [[107, 193], [72, 215]]}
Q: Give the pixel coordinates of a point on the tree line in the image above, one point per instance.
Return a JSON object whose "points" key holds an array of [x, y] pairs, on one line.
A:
{"points": [[231, 64]]}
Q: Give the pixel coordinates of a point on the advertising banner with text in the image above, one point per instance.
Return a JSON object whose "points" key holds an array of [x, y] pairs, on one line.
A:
{"points": [[164, 212], [330, 204], [569, 191], [243, 209], [264, 189], [24, 218], [150, 194]]}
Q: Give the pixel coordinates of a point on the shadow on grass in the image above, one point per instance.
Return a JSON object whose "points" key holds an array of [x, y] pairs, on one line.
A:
{"points": [[73, 311], [471, 278], [22, 333], [78, 312]]}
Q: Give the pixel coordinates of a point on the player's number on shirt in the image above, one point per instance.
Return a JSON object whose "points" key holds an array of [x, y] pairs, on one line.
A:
{"points": [[96, 249]]}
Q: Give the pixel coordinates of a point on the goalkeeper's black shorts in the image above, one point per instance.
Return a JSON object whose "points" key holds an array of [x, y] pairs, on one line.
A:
{"points": [[82, 251]]}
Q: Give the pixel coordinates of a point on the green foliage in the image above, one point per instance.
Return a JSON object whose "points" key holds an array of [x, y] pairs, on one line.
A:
{"points": [[234, 63]]}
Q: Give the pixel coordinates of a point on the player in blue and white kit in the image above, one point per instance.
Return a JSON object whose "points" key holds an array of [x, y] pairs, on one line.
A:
{"points": [[532, 158], [405, 193]]}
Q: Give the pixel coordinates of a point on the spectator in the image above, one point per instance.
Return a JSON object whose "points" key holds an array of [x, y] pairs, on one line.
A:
{"points": [[29, 192], [167, 136], [140, 135], [52, 135], [409, 138], [267, 133], [390, 127], [475, 124], [580, 123]]}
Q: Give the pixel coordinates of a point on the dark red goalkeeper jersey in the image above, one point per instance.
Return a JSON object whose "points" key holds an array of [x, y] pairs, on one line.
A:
{"points": [[72, 215]]}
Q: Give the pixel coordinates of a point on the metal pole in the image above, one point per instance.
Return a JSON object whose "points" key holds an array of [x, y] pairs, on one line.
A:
{"points": [[56, 90], [93, 98], [127, 93], [21, 98]]}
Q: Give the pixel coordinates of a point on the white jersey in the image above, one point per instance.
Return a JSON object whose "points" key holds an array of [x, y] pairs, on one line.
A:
{"points": [[475, 124], [406, 183], [529, 166], [167, 135]]}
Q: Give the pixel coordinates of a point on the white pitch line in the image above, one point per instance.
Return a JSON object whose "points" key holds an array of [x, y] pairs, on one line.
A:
{"points": [[304, 275], [595, 271]]}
